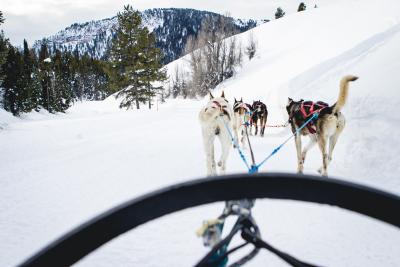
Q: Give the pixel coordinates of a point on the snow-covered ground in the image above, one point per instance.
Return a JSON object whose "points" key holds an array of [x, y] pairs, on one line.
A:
{"points": [[58, 171]]}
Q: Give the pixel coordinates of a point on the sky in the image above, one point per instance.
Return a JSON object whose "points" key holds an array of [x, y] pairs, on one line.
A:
{"points": [[35, 19]]}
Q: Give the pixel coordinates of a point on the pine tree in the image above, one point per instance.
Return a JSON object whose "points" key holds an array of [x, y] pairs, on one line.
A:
{"points": [[13, 96], [279, 13], [301, 7], [77, 76], [35, 87], [4, 44], [1, 17], [151, 58], [62, 92], [46, 78], [135, 60], [31, 82], [67, 75], [100, 81], [124, 56]]}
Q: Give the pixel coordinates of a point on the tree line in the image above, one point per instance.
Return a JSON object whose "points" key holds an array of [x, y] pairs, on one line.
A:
{"points": [[33, 81]]}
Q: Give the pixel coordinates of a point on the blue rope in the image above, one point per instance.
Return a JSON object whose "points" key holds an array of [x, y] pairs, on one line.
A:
{"points": [[313, 117], [242, 156], [254, 168]]}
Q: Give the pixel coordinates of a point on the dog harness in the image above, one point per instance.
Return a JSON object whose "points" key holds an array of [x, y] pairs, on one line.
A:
{"points": [[247, 112], [217, 104], [308, 108], [222, 109]]}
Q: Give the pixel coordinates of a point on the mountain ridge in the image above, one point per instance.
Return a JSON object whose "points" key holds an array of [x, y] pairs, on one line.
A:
{"points": [[172, 27]]}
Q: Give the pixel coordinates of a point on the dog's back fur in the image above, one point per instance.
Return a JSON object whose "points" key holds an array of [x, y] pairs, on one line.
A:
{"points": [[215, 118], [330, 123]]}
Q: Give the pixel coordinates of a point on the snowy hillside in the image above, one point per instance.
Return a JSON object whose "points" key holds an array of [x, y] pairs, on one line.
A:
{"points": [[172, 27], [58, 171]]}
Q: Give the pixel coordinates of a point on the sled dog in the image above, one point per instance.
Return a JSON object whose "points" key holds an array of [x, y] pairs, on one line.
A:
{"points": [[215, 118], [260, 114], [325, 129], [241, 119]]}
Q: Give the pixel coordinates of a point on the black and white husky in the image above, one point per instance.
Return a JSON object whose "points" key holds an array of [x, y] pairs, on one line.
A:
{"points": [[260, 115], [215, 118], [327, 128], [241, 119]]}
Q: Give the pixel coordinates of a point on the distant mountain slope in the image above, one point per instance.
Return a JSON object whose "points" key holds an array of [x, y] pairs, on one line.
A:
{"points": [[172, 27]]}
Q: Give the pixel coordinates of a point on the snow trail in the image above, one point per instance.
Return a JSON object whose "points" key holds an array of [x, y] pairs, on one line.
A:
{"points": [[58, 171]]}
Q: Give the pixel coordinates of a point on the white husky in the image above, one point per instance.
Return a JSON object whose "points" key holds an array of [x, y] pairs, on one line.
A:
{"points": [[215, 118]]}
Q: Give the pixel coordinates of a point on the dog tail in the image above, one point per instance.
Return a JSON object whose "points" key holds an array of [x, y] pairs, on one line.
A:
{"points": [[344, 88]]}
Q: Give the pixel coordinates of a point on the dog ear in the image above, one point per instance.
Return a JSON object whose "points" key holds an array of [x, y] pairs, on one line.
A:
{"points": [[290, 100], [211, 96], [241, 99], [235, 100], [223, 94]]}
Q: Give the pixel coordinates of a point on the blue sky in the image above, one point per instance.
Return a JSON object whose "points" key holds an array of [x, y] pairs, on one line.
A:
{"points": [[34, 19]]}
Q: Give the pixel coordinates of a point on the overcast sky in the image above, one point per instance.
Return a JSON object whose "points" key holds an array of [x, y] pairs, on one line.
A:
{"points": [[35, 19]]}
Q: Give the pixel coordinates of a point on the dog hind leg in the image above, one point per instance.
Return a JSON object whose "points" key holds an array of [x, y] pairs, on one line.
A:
{"points": [[225, 147], [209, 149], [262, 127], [236, 128], [333, 139], [311, 144], [300, 165], [322, 146], [332, 142]]}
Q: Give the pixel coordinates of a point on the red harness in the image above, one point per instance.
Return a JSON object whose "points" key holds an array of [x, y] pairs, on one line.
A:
{"points": [[243, 105], [217, 104], [308, 108]]}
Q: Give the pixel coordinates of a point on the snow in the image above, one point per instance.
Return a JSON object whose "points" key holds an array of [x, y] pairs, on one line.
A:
{"points": [[60, 170]]}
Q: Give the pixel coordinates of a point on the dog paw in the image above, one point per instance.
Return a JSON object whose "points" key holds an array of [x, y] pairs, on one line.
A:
{"points": [[300, 169], [219, 163], [323, 172]]}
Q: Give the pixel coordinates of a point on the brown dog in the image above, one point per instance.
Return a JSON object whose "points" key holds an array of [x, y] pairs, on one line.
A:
{"points": [[326, 128]]}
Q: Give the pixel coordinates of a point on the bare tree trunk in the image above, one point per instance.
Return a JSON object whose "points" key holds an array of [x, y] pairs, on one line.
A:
{"points": [[150, 102]]}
